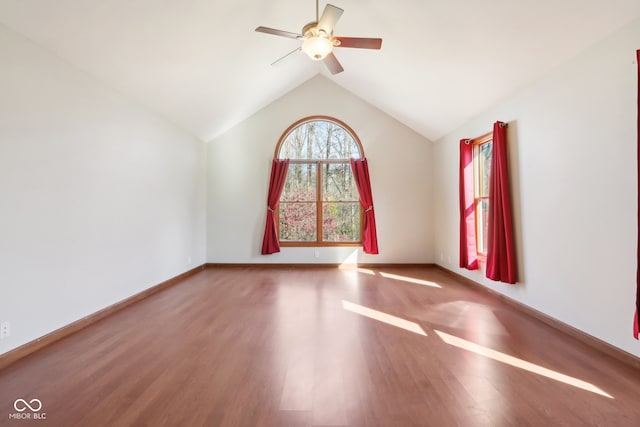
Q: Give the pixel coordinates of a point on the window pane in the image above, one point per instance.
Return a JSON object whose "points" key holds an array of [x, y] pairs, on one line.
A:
{"points": [[341, 222], [297, 222], [325, 146], [338, 184], [482, 224], [300, 184], [486, 151]]}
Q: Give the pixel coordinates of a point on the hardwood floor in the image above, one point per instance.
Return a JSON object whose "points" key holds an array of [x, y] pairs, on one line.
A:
{"points": [[319, 347]]}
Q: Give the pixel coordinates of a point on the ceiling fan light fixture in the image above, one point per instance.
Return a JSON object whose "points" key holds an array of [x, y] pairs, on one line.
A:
{"points": [[317, 47], [318, 40]]}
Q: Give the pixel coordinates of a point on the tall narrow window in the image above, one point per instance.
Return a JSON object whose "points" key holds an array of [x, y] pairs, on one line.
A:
{"points": [[486, 225], [319, 205], [482, 153]]}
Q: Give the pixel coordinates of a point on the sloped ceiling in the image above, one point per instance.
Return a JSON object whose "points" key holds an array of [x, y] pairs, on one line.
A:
{"points": [[200, 64]]}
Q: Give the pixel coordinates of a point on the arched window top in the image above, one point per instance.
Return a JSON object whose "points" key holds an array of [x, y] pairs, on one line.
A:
{"points": [[319, 138]]}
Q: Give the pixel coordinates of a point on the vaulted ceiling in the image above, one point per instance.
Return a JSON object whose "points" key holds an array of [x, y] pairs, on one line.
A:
{"points": [[200, 64]]}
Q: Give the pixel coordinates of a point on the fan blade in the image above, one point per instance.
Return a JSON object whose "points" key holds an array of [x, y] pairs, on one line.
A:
{"points": [[285, 57], [329, 17], [333, 64], [358, 42], [278, 32]]}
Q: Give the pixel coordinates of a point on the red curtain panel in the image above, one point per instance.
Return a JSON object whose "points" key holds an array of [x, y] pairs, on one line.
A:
{"points": [[636, 327], [501, 254], [360, 169], [270, 242], [468, 253]]}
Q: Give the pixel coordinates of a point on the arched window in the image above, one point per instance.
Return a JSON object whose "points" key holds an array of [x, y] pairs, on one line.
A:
{"points": [[319, 204]]}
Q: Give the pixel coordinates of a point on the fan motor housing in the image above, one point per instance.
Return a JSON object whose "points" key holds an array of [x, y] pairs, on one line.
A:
{"points": [[311, 30]]}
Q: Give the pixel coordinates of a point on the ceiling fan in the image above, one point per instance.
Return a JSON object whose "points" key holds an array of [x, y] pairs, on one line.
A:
{"points": [[318, 40]]}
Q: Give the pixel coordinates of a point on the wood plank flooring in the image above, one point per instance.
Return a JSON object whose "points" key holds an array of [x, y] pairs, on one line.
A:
{"points": [[321, 347]]}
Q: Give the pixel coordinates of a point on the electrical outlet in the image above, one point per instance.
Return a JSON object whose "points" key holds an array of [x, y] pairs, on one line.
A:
{"points": [[5, 329], [316, 253], [189, 260]]}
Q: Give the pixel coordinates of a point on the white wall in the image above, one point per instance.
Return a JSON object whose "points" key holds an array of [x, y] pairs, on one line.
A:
{"points": [[238, 174], [572, 142], [99, 198]]}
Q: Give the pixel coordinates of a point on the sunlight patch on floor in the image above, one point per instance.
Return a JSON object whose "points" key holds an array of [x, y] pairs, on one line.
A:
{"points": [[410, 280], [519, 363], [356, 269], [383, 317], [475, 318]]}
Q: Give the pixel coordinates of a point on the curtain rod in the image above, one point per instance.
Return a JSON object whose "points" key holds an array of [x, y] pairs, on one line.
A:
{"points": [[467, 141], [502, 125]]}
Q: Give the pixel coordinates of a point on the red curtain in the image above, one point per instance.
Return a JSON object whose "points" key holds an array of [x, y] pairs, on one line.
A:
{"points": [[270, 242], [501, 254], [635, 320], [468, 253], [360, 170]]}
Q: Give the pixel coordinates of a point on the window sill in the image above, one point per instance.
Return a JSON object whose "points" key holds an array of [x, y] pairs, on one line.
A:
{"points": [[322, 244]]}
